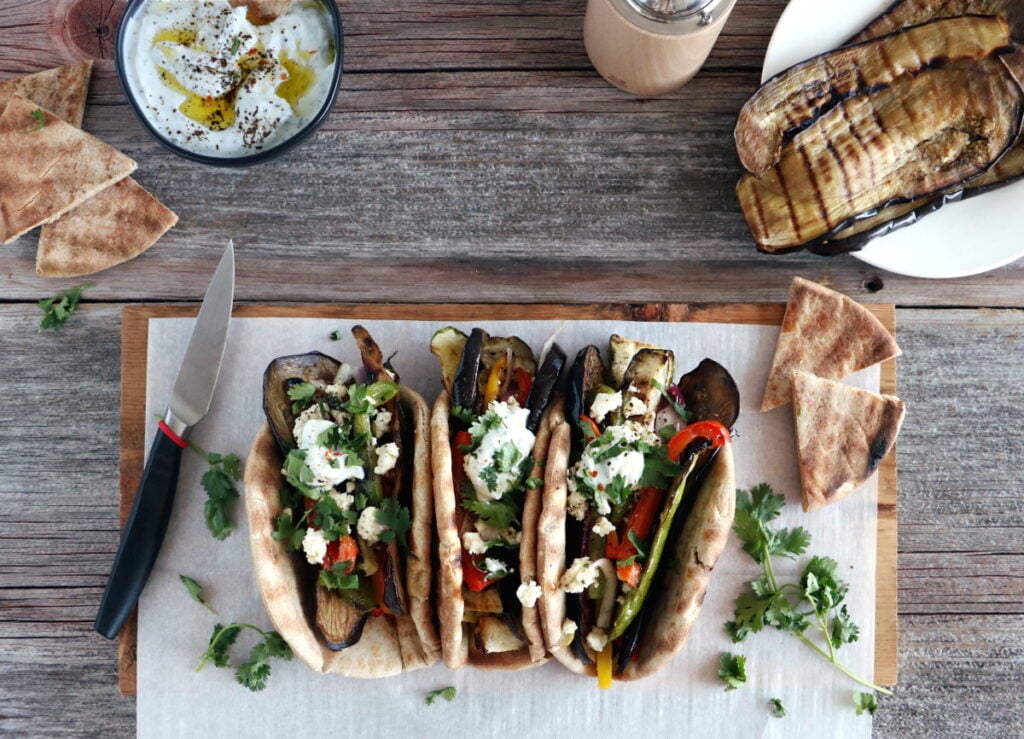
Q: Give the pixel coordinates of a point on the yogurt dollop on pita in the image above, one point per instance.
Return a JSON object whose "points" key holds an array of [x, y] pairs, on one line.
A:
{"points": [[210, 80]]}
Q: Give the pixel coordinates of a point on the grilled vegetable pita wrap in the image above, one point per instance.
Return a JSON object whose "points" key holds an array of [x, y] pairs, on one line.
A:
{"points": [[639, 498], [488, 437], [338, 496]]}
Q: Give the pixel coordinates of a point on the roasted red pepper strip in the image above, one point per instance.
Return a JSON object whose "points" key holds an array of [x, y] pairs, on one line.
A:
{"points": [[344, 549], [712, 431], [474, 577], [593, 426], [524, 383], [641, 521]]}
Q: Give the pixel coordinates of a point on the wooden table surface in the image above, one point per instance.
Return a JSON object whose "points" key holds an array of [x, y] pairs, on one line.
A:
{"points": [[474, 155]]}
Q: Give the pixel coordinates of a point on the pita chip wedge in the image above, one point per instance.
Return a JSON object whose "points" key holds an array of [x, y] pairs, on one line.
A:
{"points": [[260, 12], [61, 90], [112, 227], [843, 433], [825, 333], [47, 167]]}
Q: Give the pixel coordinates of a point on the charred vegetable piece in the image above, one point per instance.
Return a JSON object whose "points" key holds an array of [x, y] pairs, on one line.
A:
{"points": [[544, 385], [586, 373], [710, 393], [341, 621], [394, 589], [891, 146], [464, 385], [447, 345], [790, 101], [649, 370], [621, 352], [280, 375], [904, 13], [373, 358]]}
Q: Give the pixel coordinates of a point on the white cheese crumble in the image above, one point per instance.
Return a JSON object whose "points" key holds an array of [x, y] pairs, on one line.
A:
{"points": [[387, 458], [634, 407], [315, 546], [569, 628], [368, 527], [484, 468], [311, 413], [339, 391], [603, 527], [528, 593], [474, 543], [597, 639], [582, 573], [344, 500], [381, 423], [329, 467], [577, 504], [623, 470], [495, 568], [605, 403]]}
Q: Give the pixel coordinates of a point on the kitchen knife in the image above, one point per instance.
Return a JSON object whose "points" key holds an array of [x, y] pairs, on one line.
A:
{"points": [[190, 400]]}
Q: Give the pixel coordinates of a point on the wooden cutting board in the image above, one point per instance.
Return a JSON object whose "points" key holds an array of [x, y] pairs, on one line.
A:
{"points": [[134, 342]]}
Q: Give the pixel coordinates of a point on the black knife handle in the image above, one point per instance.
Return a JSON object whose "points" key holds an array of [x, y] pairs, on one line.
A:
{"points": [[143, 535]]}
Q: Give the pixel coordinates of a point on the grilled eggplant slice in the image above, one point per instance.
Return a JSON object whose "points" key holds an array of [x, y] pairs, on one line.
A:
{"points": [[282, 374], [892, 146], [905, 13], [792, 100]]}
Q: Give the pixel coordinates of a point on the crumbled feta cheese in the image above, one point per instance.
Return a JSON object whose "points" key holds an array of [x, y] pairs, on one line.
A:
{"points": [[603, 527], [368, 527], [474, 543], [387, 458], [381, 422], [495, 568], [634, 407], [568, 632], [595, 473], [528, 593], [310, 414], [350, 487], [495, 466], [582, 573], [338, 391], [577, 505], [315, 546], [328, 466], [605, 403], [345, 374], [597, 639], [344, 500]]}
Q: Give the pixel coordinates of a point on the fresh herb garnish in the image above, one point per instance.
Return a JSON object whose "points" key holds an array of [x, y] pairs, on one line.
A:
{"points": [[394, 517], [659, 470], [364, 398], [865, 702], [463, 414], [684, 415], [337, 579], [636, 541], [447, 693], [195, 590], [289, 532], [236, 42], [252, 673], [732, 670], [221, 494], [815, 600], [778, 710], [39, 117], [301, 394], [500, 514], [532, 483], [58, 309]]}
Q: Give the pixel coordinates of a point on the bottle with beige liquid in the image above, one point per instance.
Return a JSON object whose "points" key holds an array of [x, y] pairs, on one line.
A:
{"points": [[650, 47]]}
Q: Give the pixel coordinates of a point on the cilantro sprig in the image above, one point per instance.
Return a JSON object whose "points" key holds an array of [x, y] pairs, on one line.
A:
{"points": [[195, 591], [865, 702], [58, 309], [252, 673], [814, 602], [778, 710], [447, 693], [221, 493], [732, 670]]}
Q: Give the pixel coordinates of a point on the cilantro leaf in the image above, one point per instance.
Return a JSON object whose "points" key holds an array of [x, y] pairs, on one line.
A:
{"points": [[221, 494], [195, 590], [865, 702], [844, 630], [288, 531], [220, 642], [337, 579], [447, 693], [364, 398], [732, 670], [532, 483], [301, 395], [252, 673], [58, 309], [463, 414], [500, 514], [778, 710], [659, 470], [394, 517]]}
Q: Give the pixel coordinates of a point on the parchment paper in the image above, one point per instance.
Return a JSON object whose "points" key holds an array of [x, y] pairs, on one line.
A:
{"points": [[687, 699]]}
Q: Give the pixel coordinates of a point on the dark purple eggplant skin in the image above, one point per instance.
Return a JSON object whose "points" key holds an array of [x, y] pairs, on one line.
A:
{"points": [[544, 385], [353, 637], [392, 593], [464, 385], [587, 372], [281, 374], [710, 393]]}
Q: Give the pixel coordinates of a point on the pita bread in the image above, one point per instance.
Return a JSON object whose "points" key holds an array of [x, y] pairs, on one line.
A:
{"points": [[46, 171], [260, 12], [677, 604], [62, 90], [826, 333], [389, 645], [115, 225], [457, 644], [843, 433]]}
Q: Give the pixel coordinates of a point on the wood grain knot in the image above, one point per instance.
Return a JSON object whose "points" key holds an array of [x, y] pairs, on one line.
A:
{"points": [[873, 284], [88, 27]]}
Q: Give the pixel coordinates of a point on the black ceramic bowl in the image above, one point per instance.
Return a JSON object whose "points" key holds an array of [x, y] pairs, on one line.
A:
{"points": [[244, 160]]}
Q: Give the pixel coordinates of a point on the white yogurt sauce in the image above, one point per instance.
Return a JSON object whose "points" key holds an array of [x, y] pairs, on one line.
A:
{"points": [[212, 82]]}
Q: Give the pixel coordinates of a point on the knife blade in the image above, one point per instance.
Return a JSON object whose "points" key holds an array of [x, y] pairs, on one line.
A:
{"points": [[154, 499]]}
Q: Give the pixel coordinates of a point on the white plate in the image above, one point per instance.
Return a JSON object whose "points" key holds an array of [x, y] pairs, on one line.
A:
{"points": [[966, 238]]}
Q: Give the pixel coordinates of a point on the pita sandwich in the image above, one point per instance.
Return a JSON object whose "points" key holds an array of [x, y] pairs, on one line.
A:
{"points": [[825, 333], [62, 90], [843, 434], [635, 630], [47, 167], [395, 631], [115, 225]]}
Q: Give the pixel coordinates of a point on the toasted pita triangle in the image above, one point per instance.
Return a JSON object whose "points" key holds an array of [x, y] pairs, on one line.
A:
{"points": [[47, 167], [842, 433], [827, 334], [112, 227], [263, 11], [61, 90]]}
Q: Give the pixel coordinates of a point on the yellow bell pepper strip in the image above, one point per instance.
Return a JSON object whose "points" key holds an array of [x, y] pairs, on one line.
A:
{"points": [[495, 380], [604, 667]]}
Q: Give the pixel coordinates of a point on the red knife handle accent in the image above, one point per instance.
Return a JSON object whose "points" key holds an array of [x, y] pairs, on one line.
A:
{"points": [[173, 436], [143, 534]]}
